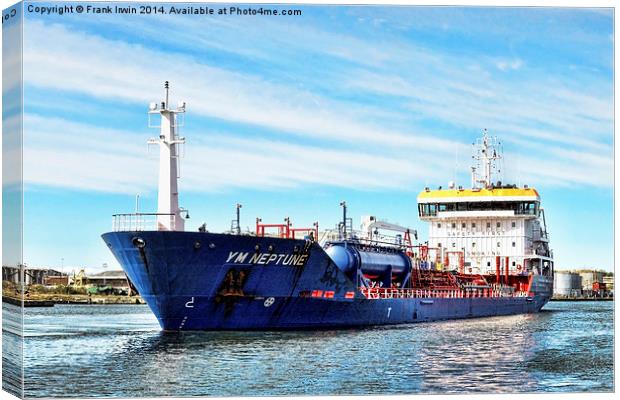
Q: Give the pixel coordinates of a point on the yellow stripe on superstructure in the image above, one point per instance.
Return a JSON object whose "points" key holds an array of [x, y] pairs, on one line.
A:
{"points": [[496, 192]]}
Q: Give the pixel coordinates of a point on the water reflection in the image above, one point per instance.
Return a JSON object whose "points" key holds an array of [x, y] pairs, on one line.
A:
{"points": [[119, 351]]}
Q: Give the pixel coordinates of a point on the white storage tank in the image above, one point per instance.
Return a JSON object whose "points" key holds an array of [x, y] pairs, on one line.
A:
{"points": [[566, 284]]}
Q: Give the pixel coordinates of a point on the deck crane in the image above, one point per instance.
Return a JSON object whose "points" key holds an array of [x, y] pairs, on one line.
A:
{"points": [[371, 226]]}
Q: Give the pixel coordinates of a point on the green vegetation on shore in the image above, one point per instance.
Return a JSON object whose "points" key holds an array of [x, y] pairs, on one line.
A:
{"points": [[63, 294]]}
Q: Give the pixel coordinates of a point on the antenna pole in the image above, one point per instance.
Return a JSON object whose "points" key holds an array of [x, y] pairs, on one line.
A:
{"points": [[167, 88], [238, 219], [343, 204], [486, 158]]}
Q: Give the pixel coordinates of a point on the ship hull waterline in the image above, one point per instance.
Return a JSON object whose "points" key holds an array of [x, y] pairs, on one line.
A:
{"points": [[208, 281]]}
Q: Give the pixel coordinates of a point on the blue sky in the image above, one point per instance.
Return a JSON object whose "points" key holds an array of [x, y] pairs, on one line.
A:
{"points": [[290, 115]]}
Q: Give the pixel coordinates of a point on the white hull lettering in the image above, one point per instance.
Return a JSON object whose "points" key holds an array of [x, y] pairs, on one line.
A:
{"points": [[241, 258], [254, 258], [237, 257], [231, 255]]}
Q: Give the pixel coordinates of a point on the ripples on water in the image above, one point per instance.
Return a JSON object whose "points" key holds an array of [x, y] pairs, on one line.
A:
{"points": [[12, 349], [85, 351]]}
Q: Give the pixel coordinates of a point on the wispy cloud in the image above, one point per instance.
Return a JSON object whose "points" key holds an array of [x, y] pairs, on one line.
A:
{"points": [[387, 117], [505, 65], [546, 111], [127, 72], [58, 153], [11, 57]]}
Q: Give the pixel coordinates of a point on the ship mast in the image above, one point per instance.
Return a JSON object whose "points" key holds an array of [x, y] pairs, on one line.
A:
{"points": [[486, 153], [168, 211]]}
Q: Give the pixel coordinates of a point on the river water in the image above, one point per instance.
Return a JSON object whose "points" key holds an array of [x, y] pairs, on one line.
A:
{"points": [[105, 351]]}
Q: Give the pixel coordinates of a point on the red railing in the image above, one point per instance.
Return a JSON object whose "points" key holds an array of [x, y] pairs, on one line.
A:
{"points": [[285, 230], [382, 293]]}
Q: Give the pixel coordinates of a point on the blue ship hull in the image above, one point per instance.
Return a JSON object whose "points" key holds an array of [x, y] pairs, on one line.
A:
{"points": [[207, 281]]}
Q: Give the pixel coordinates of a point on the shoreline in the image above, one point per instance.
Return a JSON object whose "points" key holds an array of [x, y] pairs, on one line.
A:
{"points": [[582, 299], [53, 299]]}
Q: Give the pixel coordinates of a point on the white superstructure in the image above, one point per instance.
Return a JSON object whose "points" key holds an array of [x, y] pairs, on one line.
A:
{"points": [[489, 227]]}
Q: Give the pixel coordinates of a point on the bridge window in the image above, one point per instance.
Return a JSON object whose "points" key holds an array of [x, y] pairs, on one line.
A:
{"points": [[518, 207], [445, 207], [454, 225], [439, 225], [499, 224], [526, 208], [514, 244], [427, 209], [463, 225], [473, 225], [499, 244], [488, 225]]}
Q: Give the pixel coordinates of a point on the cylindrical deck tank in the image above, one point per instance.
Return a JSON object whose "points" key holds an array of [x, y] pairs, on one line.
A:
{"points": [[566, 283], [349, 258]]}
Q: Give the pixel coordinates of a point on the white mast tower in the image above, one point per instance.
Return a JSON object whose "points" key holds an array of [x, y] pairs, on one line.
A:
{"points": [[486, 152], [168, 210]]}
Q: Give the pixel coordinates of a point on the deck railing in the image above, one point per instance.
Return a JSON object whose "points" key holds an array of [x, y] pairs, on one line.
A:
{"points": [[141, 222], [394, 293]]}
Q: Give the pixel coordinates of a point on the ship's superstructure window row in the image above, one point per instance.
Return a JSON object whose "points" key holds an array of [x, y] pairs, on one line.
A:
{"points": [[519, 207]]}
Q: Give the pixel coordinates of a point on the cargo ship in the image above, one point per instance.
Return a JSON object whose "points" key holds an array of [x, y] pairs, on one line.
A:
{"points": [[487, 255]]}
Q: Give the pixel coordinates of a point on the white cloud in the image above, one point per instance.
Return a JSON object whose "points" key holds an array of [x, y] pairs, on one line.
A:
{"points": [[542, 111], [58, 153], [382, 155], [506, 65], [11, 151], [62, 153], [11, 56], [129, 72]]}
